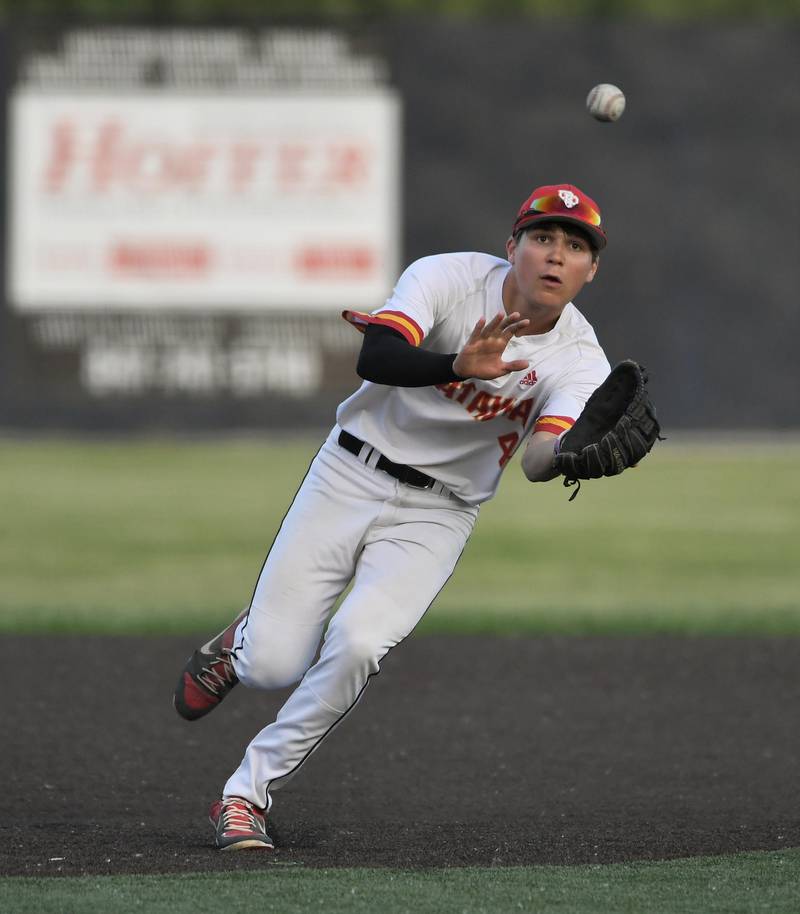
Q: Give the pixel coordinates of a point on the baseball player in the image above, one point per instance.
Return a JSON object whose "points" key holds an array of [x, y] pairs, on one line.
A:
{"points": [[471, 356]]}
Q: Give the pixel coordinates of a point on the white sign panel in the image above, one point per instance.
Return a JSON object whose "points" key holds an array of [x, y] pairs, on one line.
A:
{"points": [[191, 201]]}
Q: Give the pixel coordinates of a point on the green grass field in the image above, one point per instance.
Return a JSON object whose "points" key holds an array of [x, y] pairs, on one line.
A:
{"points": [[164, 536], [741, 884], [157, 536]]}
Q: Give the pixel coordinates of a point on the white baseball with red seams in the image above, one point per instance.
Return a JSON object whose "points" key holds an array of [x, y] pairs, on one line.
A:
{"points": [[403, 542], [606, 102]]}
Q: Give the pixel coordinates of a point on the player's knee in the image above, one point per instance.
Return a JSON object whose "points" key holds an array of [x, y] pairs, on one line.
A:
{"points": [[356, 647], [269, 669]]}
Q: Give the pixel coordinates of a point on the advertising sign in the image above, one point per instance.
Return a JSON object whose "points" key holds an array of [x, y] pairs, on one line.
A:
{"points": [[188, 200]]}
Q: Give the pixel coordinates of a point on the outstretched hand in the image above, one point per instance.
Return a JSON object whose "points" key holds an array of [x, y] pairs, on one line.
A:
{"points": [[482, 354]]}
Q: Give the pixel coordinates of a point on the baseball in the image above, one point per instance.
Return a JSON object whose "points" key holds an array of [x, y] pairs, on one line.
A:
{"points": [[606, 102]]}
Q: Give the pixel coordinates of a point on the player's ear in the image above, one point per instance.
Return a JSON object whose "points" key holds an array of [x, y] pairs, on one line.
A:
{"points": [[593, 269], [511, 246]]}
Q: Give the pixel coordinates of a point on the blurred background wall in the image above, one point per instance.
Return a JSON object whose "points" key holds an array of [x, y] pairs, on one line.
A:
{"points": [[188, 206]]}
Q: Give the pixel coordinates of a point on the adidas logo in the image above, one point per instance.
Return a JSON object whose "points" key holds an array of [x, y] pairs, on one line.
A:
{"points": [[529, 380]]}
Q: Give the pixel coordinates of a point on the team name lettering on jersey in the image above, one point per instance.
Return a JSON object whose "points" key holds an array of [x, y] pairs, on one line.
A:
{"points": [[485, 406]]}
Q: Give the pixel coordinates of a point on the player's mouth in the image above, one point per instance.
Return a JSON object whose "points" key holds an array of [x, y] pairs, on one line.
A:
{"points": [[551, 280]]}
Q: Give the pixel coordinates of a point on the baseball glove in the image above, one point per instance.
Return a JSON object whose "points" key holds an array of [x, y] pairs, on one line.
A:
{"points": [[617, 428]]}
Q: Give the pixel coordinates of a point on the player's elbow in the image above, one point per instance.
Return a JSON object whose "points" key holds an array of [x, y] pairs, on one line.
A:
{"points": [[537, 473], [537, 461]]}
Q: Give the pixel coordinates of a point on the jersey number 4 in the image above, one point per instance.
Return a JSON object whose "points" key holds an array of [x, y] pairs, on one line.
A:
{"points": [[508, 444]]}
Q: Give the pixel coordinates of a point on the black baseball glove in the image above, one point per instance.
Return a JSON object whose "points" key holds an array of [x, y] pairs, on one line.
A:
{"points": [[617, 428]]}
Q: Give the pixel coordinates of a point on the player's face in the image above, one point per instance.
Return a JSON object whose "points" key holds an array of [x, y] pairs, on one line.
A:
{"points": [[551, 264]]}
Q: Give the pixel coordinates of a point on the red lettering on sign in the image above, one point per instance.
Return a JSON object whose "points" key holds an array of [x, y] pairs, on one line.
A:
{"points": [[292, 165], [322, 262], [105, 153], [347, 166], [162, 259], [243, 159], [112, 155], [62, 155]]}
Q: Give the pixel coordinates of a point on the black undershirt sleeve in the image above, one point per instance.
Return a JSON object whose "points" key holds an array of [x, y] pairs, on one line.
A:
{"points": [[388, 358]]}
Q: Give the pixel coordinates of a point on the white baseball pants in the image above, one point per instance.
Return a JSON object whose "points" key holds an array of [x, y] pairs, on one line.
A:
{"points": [[348, 521]]}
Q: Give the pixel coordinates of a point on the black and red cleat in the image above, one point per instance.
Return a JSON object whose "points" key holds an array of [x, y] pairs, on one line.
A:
{"points": [[238, 824], [208, 675]]}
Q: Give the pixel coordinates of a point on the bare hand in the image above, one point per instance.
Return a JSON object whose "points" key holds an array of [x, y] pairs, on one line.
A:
{"points": [[481, 356]]}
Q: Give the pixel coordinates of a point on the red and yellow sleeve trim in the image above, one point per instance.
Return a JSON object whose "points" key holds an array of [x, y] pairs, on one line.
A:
{"points": [[557, 425], [410, 329]]}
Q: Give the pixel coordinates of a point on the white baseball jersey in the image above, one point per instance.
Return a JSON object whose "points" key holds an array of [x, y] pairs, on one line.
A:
{"points": [[464, 433]]}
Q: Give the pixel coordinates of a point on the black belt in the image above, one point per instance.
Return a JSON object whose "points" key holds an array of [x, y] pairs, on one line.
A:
{"points": [[400, 471]]}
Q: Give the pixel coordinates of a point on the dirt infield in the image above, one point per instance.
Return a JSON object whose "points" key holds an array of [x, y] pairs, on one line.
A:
{"points": [[464, 751]]}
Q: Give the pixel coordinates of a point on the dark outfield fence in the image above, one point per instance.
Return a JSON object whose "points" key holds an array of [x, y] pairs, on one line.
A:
{"points": [[699, 184]]}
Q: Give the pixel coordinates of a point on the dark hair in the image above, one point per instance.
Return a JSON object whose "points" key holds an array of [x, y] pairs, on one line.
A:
{"points": [[573, 228]]}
